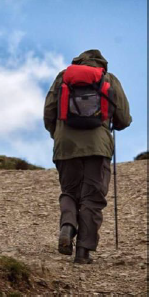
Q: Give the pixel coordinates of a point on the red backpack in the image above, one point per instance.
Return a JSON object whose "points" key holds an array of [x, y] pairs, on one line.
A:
{"points": [[85, 99]]}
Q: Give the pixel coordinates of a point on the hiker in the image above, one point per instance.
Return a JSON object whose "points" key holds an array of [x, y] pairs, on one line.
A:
{"points": [[83, 103]]}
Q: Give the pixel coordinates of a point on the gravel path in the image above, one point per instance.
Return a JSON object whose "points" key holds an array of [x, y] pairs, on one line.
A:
{"points": [[29, 229]]}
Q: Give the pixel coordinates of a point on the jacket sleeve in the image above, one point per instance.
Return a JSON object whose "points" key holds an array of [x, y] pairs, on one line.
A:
{"points": [[50, 107], [121, 117]]}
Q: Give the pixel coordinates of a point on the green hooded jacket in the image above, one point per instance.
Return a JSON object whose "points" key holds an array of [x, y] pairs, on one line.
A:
{"points": [[70, 142]]}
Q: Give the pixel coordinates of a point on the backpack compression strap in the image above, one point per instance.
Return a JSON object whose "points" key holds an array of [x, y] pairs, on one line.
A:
{"points": [[104, 102], [63, 103]]}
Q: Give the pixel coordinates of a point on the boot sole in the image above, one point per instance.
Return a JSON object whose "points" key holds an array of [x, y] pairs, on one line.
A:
{"points": [[65, 245], [83, 261]]}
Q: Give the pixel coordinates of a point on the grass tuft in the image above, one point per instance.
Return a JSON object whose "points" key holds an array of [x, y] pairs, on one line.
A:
{"points": [[16, 271], [14, 294]]}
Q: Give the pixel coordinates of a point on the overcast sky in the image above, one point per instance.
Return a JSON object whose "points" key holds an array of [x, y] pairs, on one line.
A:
{"points": [[39, 38]]}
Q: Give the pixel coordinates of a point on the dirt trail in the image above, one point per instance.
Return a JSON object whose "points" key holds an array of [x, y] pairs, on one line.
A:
{"points": [[29, 229]]}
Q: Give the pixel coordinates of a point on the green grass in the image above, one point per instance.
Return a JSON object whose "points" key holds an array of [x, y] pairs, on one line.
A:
{"points": [[14, 270], [143, 155], [13, 163], [1, 294], [14, 294], [17, 279]]}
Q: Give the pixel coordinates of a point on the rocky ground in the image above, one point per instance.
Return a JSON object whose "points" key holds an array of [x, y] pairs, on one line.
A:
{"points": [[29, 229]]}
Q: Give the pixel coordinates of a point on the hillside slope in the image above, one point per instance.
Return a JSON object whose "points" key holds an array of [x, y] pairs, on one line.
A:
{"points": [[29, 229], [14, 163]]}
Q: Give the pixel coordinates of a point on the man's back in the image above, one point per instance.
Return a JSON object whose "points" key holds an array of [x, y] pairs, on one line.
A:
{"points": [[70, 142]]}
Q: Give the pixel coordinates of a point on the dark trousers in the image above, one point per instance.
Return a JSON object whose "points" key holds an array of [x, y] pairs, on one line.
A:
{"points": [[84, 184]]}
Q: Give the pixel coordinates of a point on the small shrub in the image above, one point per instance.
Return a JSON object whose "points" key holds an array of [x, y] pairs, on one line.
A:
{"points": [[16, 271], [143, 155], [13, 163], [14, 294], [22, 165], [1, 294]]}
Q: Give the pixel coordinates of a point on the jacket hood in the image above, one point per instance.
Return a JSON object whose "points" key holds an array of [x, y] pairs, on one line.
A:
{"points": [[91, 58]]}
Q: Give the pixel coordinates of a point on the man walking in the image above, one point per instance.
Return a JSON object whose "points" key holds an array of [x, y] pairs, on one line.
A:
{"points": [[83, 146]]}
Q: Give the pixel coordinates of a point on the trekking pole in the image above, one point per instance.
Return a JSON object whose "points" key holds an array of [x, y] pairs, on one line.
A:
{"points": [[115, 191]]}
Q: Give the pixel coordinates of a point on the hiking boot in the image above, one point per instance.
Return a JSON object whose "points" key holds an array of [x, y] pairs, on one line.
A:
{"points": [[82, 256], [65, 239]]}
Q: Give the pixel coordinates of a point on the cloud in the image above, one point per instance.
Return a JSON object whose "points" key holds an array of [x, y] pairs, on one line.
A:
{"points": [[21, 94], [15, 40], [22, 97]]}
